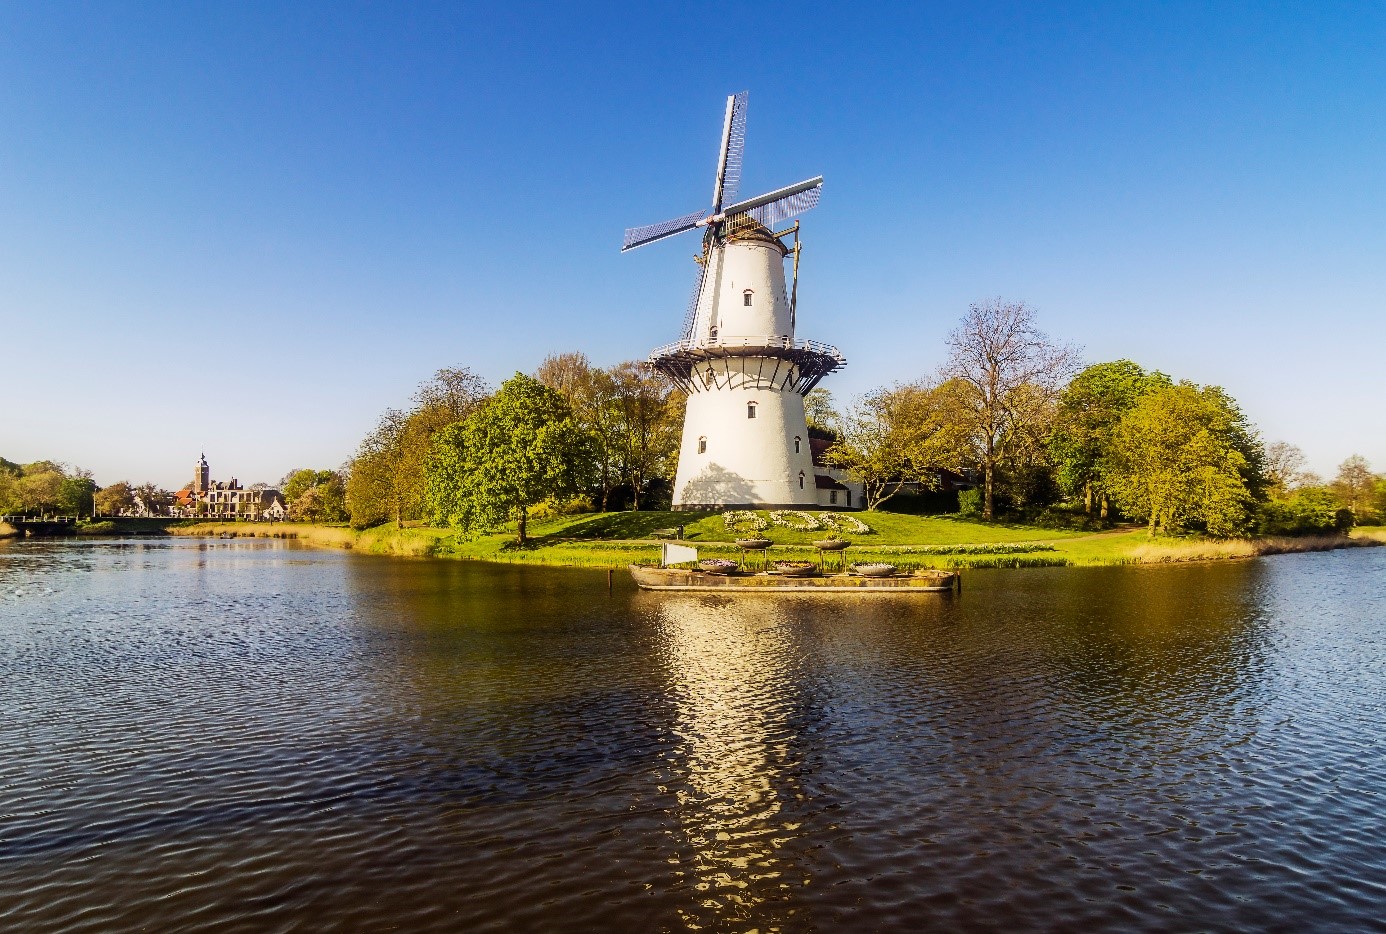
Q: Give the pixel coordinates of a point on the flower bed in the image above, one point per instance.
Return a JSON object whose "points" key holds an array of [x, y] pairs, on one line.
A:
{"points": [[842, 522], [796, 520], [742, 520]]}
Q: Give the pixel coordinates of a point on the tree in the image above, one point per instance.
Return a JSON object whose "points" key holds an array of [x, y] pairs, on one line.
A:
{"points": [[1177, 458], [649, 418], [1007, 375], [591, 394], [155, 500], [520, 448], [895, 435], [1286, 469], [820, 413], [115, 499], [40, 488], [1088, 411], [75, 493], [315, 495], [387, 478], [377, 487], [1355, 486]]}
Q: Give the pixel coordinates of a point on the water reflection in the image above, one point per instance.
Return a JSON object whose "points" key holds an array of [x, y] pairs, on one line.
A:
{"points": [[734, 681]]}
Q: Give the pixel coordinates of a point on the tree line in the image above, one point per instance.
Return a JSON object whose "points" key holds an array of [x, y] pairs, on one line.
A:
{"points": [[570, 437], [1043, 435], [1016, 418]]}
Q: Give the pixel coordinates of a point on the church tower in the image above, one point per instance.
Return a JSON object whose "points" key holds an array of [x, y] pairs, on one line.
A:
{"points": [[202, 476]]}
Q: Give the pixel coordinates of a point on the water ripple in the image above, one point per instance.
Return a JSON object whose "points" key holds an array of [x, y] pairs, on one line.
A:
{"points": [[249, 736]]}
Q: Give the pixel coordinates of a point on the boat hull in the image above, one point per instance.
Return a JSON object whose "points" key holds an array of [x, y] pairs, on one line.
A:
{"points": [[650, 578]]}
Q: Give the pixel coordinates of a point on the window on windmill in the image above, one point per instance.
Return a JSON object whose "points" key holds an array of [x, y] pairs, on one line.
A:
{"points": [[702, 445], [750, 410], [796, 444], [801, 479], [746, 297]]}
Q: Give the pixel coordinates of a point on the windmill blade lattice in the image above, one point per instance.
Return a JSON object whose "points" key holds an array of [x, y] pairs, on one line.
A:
{"points": [[639, 236], [781, 210], [736, 148], [690, 317]]}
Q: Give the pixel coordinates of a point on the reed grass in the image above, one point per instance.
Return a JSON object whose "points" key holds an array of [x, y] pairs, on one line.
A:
{"points": [[1213, 550]]}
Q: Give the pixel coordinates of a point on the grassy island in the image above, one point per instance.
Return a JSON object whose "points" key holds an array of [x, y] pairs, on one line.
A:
{"points": [[616, 539]]}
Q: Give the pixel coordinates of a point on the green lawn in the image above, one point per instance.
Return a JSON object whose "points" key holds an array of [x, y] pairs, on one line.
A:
{"points": [[907, 541], [887, 528]]}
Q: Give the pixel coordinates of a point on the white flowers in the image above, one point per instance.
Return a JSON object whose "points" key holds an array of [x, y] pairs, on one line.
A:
{"points": [[741, 520], [796, 520]]}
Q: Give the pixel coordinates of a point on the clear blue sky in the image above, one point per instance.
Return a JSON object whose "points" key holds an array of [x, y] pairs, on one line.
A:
{"points": [[249, 228]]}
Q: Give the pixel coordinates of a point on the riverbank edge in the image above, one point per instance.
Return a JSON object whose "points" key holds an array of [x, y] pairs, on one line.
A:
{"points": [[1098, 550]]}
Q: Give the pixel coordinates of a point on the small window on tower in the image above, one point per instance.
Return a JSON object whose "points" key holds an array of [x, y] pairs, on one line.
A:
{"points": [[702, 445], [796, 445], [746, 297], [750, 410], [801, 479]]}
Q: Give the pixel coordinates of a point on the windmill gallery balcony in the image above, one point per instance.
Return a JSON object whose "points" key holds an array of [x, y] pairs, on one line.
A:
{"points": [[732, 361]]}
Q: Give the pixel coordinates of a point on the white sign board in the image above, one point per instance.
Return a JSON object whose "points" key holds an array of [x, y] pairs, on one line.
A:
{"points": [[678, 554]]}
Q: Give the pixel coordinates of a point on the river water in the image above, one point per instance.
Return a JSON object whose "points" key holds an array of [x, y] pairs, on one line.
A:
{"points": [[251, 735]]}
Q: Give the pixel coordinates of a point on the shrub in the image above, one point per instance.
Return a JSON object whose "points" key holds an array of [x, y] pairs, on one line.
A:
{"points": [[970, 503], [1310, 512]]}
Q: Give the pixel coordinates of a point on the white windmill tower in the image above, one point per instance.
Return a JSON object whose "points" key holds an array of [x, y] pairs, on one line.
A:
{"points": [[745, 439]]}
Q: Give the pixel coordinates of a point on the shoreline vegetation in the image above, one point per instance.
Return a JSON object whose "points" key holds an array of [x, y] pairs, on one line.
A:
{"points": [[595, 541]]}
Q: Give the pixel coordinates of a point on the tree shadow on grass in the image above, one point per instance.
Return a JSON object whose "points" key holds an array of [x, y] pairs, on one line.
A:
{"points": [[622, 525]]}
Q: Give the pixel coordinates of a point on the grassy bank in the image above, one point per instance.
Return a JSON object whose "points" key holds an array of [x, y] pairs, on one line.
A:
{"points": [[618, 539]]}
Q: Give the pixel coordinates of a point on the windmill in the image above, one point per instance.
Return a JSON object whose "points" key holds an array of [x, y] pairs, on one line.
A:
{"points": [[745, 439]]}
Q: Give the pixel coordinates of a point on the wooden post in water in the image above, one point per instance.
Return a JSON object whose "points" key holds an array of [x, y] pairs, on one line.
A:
{"points": [[609, 573]]}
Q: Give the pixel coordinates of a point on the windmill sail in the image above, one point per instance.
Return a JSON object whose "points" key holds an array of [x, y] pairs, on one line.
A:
{"points": [[773, 207], [735, 149], [690, 317], [639, 236]]}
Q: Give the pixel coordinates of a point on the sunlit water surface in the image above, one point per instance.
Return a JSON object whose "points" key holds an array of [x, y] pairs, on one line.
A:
{"points": [[243, 735]]}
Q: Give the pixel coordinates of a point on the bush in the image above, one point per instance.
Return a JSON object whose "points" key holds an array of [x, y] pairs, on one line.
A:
{"points": [[970, 503], [1311, 512]]}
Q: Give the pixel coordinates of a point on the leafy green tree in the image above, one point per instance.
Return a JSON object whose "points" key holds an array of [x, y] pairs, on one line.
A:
{"points": [[821, 413], [1304, 512], [523, 446], [377, 486], [903, 434], [75, 494], [1007, 375], [115, 499], [40, 488], [648, 425], [315, 495], [591, 394], [1089, 409], [1178, 458], [387, 476]]}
